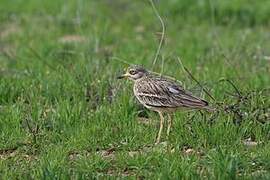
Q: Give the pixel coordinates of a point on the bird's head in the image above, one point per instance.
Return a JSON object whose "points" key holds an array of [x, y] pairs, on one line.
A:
{"points": [[134, 73]]}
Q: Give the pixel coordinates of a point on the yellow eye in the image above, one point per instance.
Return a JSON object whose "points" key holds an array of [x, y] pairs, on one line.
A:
{"points": [[132, 72]]}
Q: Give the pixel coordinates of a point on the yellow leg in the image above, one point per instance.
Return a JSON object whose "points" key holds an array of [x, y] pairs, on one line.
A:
{"points": [[160, 127], [169, 125]]}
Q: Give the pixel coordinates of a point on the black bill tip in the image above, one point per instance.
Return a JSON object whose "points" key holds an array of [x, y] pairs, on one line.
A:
{"points": [[120, 77]]}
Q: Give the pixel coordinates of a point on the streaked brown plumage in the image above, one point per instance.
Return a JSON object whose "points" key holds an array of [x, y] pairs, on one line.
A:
{"points": [[161, 94]]}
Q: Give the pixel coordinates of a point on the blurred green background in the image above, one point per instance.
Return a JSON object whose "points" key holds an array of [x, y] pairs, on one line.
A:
{"points": [[63, 115]]}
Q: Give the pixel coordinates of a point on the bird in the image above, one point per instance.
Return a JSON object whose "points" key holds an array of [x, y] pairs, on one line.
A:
{"points": [[162, 95]]}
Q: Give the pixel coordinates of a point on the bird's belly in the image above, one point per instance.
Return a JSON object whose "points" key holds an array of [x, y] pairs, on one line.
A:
{"points": [[162, 109]]}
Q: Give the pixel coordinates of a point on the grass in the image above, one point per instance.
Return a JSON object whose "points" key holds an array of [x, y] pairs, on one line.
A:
{"points": [[64, 115]]}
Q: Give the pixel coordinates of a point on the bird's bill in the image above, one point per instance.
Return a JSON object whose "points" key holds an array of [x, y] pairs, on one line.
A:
{"points": [[123, 76]]}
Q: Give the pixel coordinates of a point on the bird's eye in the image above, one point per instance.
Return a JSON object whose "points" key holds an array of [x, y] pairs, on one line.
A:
{"points": [[132, 72]]}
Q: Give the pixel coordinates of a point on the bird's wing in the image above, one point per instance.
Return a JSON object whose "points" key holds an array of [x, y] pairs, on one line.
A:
{"points": [[160, 92], [185, 98]]}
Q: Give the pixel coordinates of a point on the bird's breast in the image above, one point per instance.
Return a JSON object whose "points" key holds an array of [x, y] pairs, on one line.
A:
{"points": [[136, 89]]}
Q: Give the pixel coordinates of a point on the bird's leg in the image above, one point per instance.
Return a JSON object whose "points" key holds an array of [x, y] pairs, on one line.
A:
{"points": [[169, 124], [160, 127]]}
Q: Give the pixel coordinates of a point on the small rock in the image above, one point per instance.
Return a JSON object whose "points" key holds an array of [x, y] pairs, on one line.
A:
{"points": [[72, 39]]}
